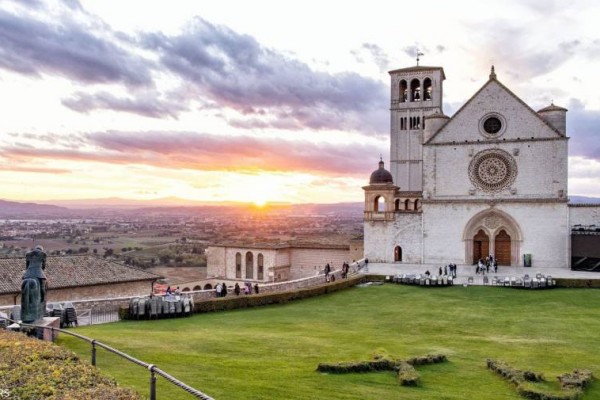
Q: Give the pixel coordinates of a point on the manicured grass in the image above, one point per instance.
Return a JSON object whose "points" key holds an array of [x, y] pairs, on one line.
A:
{"points": [[272, 352]]}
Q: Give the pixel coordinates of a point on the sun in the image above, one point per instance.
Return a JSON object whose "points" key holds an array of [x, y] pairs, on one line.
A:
{"points": [[260, 202]]}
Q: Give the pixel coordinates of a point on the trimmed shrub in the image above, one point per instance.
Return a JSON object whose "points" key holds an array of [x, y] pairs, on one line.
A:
{"points": [[572, 384], [407, 374], [577, 283], [34, 369]]}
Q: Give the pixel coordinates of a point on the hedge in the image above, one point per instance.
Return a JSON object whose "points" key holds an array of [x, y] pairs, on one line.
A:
{"points": [[571, 384], [34, 369], [578, 283], [407, 374], [233, 302]]}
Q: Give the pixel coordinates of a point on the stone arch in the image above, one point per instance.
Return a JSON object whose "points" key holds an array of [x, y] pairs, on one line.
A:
{"points": [[238, 265], [406, 204], [415, 90], [197, 287], [208, 286], [427, 89], [379, 204], [398, 254], [186, 289], [249, 265], [492, 221], [403, 91], [260, 260], [397, 205], [417, 205]]}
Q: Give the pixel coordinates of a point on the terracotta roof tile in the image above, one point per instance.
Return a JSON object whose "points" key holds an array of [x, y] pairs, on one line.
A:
{"points": [[70, 271]]}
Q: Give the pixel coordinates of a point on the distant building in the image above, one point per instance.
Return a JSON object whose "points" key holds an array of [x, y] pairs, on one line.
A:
{"points": [[78, 277], [273, 262], [490, 180]]}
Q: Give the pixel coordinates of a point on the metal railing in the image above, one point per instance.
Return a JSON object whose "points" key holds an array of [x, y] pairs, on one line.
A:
{"points": [[153, 369]]}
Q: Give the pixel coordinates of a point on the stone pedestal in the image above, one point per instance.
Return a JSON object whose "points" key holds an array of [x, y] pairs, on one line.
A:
{"points": [[47, 322]]}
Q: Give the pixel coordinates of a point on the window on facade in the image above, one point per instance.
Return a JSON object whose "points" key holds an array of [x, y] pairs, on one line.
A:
{"points": [[249, 265], [403, 91], [260, 268], [415, 90], [379, 205], [238, 265], [428, 89]]}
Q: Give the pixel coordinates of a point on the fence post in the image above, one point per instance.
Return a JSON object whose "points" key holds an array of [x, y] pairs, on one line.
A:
{"points": [[94, 352], [152, 382]]}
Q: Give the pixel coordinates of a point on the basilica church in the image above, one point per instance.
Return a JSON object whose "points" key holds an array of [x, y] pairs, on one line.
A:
{"points": [[490, 180]]}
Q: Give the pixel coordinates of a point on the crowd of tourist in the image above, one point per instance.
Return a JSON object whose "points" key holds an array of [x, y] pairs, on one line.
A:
{"points": [[484, 265]]}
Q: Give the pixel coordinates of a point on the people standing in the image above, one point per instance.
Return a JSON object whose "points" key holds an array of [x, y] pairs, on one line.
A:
{"points": [[224, 290], [236, 289]]}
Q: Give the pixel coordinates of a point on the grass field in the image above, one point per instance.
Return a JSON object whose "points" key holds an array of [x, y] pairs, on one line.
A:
{"points": [[272, 352]]}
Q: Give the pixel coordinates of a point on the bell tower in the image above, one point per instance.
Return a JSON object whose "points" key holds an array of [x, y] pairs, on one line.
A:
{"points": [[416, 94]]}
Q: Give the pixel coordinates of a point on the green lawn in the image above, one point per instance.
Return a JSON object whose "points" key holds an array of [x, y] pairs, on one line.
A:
{"points": [[272, 352]]}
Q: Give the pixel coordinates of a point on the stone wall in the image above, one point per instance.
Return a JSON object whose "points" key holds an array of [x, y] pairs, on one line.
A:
{"points": [[543, 229], [584, 214], [309, 262], [382, 237], [84, 293]]}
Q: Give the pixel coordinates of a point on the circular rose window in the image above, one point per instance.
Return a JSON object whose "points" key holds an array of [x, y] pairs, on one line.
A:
{"points": [[492, 170], [492, 125]]}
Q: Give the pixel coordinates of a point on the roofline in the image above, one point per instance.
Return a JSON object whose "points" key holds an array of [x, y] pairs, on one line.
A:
{"points": [[510, 92], [418, 68], [91, 284]]}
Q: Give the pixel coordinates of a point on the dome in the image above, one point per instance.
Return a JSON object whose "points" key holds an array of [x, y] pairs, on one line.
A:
{"points": [[381, 175]]}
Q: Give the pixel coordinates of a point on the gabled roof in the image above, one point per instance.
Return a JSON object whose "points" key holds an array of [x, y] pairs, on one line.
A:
{"points": [[489, 82], [71, 271]]}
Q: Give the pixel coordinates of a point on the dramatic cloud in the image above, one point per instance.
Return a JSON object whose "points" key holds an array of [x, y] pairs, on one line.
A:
{"points": [[237, 72], [211, 152], [147, 104], [35, 44], [583, 126]]}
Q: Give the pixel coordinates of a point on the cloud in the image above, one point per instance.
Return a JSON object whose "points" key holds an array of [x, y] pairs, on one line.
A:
{"points": [[147, 104], [237, 72], [375, 53], [39, 170], [194, 150], [35, 44], [583, 126]]}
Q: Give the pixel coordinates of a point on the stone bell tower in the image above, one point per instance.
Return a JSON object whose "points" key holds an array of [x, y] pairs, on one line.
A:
{"points": [[416, 94]]}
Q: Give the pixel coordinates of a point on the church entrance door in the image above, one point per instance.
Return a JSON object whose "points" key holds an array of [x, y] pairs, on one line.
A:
{"points": [[502, 248], [398, 253], [481, 246]]}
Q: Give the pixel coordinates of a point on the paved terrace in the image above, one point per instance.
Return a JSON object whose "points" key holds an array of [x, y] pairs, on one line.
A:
{"points": [[466, 271]]}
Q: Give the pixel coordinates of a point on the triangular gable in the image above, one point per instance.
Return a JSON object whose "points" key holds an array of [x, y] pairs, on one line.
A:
{"points": [[521, 121]]}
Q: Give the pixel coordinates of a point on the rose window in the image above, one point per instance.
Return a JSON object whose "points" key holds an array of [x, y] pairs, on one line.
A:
{"points": [[492, 170]]}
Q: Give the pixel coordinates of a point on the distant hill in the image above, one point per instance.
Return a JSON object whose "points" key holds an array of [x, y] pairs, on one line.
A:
{"points": [[584, 200], [15, 209]]}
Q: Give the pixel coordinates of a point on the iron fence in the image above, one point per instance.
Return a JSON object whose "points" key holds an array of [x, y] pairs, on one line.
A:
{"points": [[153, 369]]}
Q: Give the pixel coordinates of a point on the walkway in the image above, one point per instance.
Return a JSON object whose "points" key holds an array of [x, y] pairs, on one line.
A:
{"points": [[466, 271]]}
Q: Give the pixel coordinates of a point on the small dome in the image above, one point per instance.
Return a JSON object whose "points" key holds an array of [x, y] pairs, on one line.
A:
{"points": [[552, 107], [381, 175]]}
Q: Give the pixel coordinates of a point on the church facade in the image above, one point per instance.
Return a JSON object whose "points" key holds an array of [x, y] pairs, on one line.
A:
{"points": [[490, 180]]}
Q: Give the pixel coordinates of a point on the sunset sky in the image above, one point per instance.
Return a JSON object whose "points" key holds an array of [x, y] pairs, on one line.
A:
{"points": [[257, 101]]}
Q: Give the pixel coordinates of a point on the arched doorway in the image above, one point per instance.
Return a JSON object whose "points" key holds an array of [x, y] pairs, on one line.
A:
{"points": [[397, 254], [502, 245], [493, 232], [208, 286], [481, 246]]}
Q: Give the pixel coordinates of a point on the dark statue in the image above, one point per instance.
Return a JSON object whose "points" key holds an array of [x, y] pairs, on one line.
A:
{"points": [[33, 287]]}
